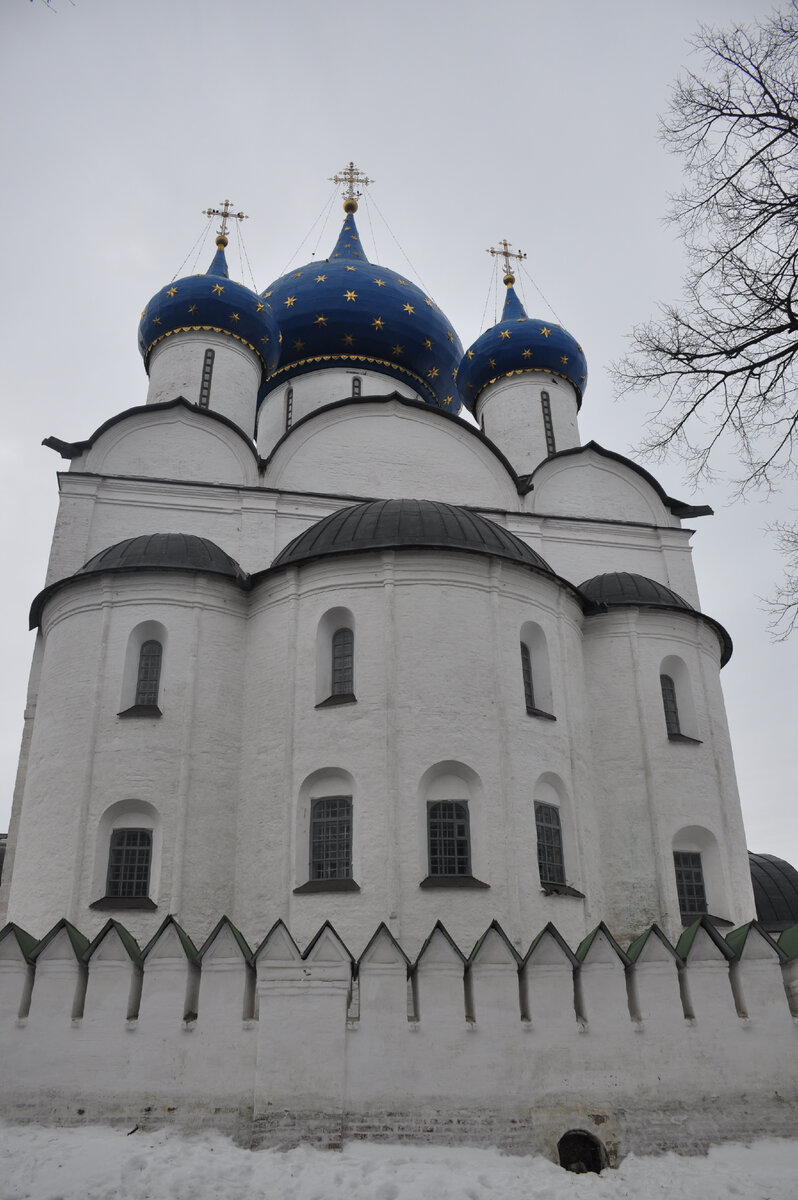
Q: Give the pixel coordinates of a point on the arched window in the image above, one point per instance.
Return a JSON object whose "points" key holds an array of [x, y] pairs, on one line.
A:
{"points": [[551, 864], [331, 838], [449, 842], [677, 700], [129, 860], [207, 375], [526, 671], [690, 885], [670, 706], [357, 384], [149, 674], [343, 663]]}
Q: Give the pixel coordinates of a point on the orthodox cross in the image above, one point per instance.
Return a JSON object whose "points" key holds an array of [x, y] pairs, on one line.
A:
{"points": [[350, 177], [507, 254], [226, 215]]}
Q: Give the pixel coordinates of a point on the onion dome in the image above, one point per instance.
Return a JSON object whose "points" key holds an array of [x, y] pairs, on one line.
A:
{"points": [[215, 303], [407, 524], [155, 551], [517, 345], [344, 311], [625, 588], [775, 885]]}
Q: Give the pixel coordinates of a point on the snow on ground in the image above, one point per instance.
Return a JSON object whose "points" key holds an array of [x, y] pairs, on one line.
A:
{"points": [[104, 1164]]}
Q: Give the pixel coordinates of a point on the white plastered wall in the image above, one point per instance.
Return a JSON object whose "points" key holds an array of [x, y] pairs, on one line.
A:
{"points": [[176, 366], [510, 412]]}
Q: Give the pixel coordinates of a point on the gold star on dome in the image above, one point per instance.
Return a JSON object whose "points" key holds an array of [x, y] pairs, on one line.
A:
{"points": [[350, 295], [491, 362], [299, 344], [448, 399], [143, 313], [218, 289], [234, 317], [432, 373], [527, 354], [320, 279], [520, 319], [505, 333], [450, 335], [429, 302], [454, 374], [348, 340], [428, 343], [320, 319], [350, 268], [403, 282], [378, 323], [579, 348], [347, 228], [564, 359], [266, 295], [397, 349], [408, 308], [192, 308], [156, 320], [265, 338], [296, 274], [469, 354], [172, 291], [289, 301], [581, 379], [545, 331], [380, 282], [260, 307]]}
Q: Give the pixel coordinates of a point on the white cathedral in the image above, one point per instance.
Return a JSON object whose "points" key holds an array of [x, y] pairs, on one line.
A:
{"points": [[376, 779]]}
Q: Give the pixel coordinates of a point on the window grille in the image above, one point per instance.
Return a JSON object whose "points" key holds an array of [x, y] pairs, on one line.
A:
{"points": [[289, 408], [357, 384], [129, 863], [548, 425], [343, 662], [551, 865], [449, 849], [331, 838], [205, 381], [671, 707], [689, 885], [149, 675], [526, 671]]}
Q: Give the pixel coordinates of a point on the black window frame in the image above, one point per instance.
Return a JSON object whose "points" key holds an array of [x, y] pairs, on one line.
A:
{"points": [[690, 885], [148, 676], [550, 853], [342, 662], [330, 838], [444, 862], [129, 864]]}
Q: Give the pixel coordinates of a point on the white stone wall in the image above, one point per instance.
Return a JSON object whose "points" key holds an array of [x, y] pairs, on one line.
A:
{"points": [[511, 415], [176, 365], [655, 1056]]}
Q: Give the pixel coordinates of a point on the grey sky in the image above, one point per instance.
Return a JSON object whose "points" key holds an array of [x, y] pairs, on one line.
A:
{"points": [[521, 120]]}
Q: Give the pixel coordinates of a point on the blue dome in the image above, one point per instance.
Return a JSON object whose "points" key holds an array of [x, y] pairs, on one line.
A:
{"points": [[214, 302], [345, 311], [519, 344]]}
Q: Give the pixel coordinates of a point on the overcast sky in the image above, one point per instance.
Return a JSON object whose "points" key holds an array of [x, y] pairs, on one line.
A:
{"points": [[518, 119]]}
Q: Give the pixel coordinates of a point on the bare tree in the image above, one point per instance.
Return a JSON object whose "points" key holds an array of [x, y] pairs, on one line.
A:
{"points": [[722, 364]]}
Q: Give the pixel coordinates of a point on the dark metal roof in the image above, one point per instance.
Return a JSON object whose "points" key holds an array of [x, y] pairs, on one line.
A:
{"points": [[775, 891], [393, 524], [622, 587], [153, 551]]}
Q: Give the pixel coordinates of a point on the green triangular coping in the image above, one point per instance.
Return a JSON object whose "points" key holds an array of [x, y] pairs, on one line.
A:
{"points": [[685, 943], [79, 943], [185, 941], [278, 924], [635, 950], [586, 943], [26, 941], [241, 941], [736, 939], [559, 939], [383, 928], [334, 932], [498, 929], [788, 941], [127, 940], [439, 927]]}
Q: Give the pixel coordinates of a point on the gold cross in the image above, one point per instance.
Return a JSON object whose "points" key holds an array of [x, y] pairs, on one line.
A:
{"points": [[507, 254], [226, 215], [350, 177]]}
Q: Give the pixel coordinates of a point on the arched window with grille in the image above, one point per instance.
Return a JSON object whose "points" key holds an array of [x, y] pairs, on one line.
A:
{"points": [[526, 673], [670, 705], [678, 705], [149, 673], [357, 385], [129, 860], [343, 662], [536, 672], [331, 838], [551, 863], [449, 839]]}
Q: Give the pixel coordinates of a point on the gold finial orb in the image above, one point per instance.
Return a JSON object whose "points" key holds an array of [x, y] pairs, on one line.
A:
{"points": [[509, 279], [350, 205], [221, 241]]}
